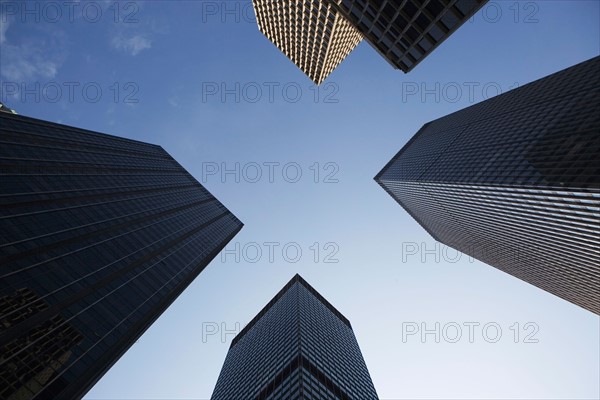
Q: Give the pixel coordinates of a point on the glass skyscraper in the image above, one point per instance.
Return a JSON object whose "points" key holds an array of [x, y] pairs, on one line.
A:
{"points": [[514, 181], [404, 32], [98, 236], [298, 347]]}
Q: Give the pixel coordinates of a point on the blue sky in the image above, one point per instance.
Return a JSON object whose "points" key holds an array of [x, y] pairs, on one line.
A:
{"points": [[186, 75]]}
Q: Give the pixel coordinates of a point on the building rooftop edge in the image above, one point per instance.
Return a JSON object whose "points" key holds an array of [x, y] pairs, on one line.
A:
{"points": [[86, 131], [296, 279]]}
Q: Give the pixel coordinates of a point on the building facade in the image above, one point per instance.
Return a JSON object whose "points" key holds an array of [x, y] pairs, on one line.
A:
{"points": [[514, 182], [317, 35], [404, 32], [298, 347], [98, 236], [310, 33]]}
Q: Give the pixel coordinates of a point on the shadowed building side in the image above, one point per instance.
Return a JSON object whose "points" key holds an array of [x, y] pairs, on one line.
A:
{"points": [[98, 236], [404, 32], [514, 182], [298, 347]]}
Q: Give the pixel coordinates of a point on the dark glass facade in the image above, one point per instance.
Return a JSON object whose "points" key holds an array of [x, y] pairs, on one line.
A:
{"points": [[298, 347], [514, 181], [98, 236], [407, 31]]}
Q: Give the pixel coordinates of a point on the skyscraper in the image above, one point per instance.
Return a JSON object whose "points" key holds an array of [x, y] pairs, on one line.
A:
{"points": [[311, 33], [298, 347], [317, 35], [514, 181], [98, 236], [404, 32]]}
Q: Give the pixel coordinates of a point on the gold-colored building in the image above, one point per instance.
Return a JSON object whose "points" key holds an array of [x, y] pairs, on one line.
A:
{"points": [[311, 33]]}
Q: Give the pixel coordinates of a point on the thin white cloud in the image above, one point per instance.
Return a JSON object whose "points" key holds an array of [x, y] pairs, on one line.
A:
{"points": [[3, 28], [132, 45], [32, 58], [24, 66]]}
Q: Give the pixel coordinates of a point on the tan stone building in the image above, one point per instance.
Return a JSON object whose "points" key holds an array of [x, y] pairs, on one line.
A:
{"points": [[311, 33]]}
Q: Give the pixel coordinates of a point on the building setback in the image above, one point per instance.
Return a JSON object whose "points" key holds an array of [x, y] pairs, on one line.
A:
{"points": [[404, 32], [98, 236], [514, 182], [310, 33], [298, 347]]}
